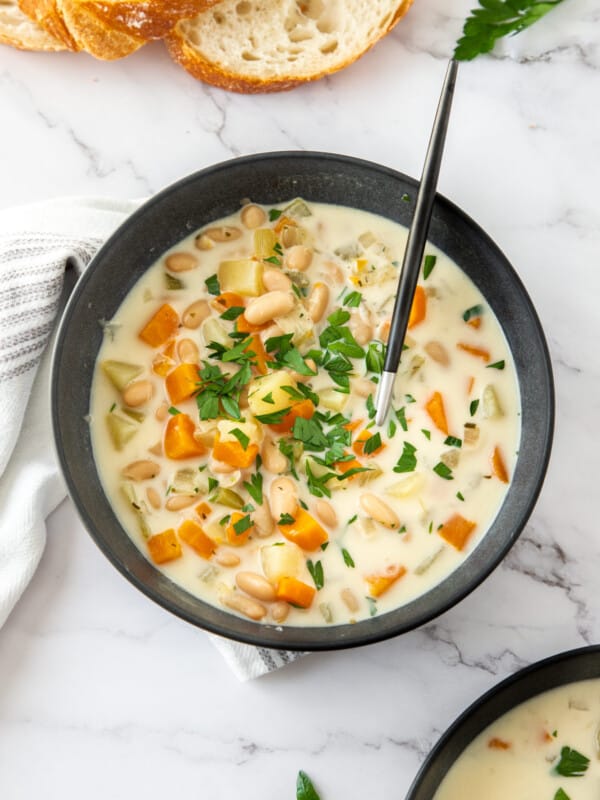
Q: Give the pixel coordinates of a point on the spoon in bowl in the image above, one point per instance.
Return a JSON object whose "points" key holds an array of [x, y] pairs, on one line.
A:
{"points": [[415, 245]]}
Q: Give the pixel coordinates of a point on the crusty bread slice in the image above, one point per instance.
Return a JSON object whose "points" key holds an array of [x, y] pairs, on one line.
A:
{"points": [[150, 19], [271, 45], [47, 16], [19, 31], [93, 34]]}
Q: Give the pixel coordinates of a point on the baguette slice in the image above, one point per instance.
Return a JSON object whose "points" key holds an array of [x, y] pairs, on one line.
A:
{"points": [[271, 45], [48, 17], [149, 19], [95, 35], [17, 30]]}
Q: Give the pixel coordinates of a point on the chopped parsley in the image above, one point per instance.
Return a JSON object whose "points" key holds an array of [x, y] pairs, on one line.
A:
{"points": [[497, 365], [352, 300], [241, 437], [316, 573], [268, 398], [571, 764], [428, 265], [375, 357], [460, 496], [401, 417], [275, 417], [443, 471], [472, 313], [286, 519], [407, 461], [232, 313], [172, 410], [348, 560], [372, 444], [242, 525], [426, 433], [473, 406], [212, 285], [274, 213], [255, 484], [561, 795], [372, 606], [452, 441], [391, 431]]}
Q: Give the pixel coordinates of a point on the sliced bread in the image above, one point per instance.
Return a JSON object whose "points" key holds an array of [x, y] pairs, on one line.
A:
{"points": [[150, 19], [271, 45], [18, 30], [47, 16], [93, 34]]}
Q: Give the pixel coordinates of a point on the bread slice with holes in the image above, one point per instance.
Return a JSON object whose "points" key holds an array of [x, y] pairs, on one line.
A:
{"points": [[271, 45], [18, 30]]}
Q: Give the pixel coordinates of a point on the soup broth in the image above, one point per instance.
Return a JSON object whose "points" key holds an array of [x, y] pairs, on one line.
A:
{"points": [[232, 417]]}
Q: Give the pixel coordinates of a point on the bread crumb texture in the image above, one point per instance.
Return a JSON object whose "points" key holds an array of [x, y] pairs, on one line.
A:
{"points": [[269, 45]]}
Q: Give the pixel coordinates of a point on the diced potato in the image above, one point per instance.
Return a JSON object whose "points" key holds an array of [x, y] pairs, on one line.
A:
{"points": [[121, 430], [137, 416], [250, 429], [470, 433], [491, 405], [265, 240], [120, 373], [297, 208], [270, 386], [362, 478], [332, 399], [243, 276], [407, 487], [367, 239], [450, 458], [282, 560]]}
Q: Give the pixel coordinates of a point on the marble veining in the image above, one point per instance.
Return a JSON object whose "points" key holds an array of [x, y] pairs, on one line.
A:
{"points": [[106, 695]]}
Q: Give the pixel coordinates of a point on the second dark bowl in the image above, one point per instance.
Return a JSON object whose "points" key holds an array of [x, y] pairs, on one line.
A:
{"points": [[269, 179]]}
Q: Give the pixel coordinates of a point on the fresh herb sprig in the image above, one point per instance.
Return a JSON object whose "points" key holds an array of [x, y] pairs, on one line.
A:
{"points": [[572, 764], [304, 788], [495, 19]]}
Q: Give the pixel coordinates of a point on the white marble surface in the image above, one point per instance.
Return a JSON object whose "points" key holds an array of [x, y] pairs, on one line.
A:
{"points": [[104, 695]]}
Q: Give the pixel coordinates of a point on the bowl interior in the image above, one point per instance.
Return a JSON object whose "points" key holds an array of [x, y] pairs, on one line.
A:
{"points": [[569, 667], [269, 179]]}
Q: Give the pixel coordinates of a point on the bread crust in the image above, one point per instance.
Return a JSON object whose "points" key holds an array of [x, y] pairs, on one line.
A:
{"points": [[93, 35], [46, 15], [148, 19], [210, 72], [26, 34]]}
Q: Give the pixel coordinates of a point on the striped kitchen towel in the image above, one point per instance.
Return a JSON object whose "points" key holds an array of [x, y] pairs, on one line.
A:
{"points": [[38, 243]]}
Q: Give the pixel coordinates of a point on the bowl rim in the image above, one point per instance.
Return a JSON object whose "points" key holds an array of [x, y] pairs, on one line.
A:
{"points": [[544, 668], [296, 637]]}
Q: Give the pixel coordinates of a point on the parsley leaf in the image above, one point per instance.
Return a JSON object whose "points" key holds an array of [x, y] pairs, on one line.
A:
{"points": [[572, 764], [372, 606], [317, 484], [286, 519], [348, 560], [232, 313], [274, 213], [304, 788], [407, 461], [375, 357], [401, 417], [496, 365], [496, 19], [443, 471], [428, 265], [274, 418], [451, 441], [255, 486], [372, 444], [473, 312], [316, 573], [242, 525], [309, 433], [473, 406], [352, 300], [561, 795], [172, 410], [287, 450], [212, 285], [241, 437]]}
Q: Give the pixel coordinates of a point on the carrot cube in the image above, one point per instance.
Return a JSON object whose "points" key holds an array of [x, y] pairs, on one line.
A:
{"points": [[182, 382], [435, 409], [233, 453], [238, 537], [295, 592], [304, 409], [203, 510], [192, 534], [378, 584], [478, 352], [498, 465], [457, 530], [179, 438], [161, 327], [164, 547], [359, 445], [304, 531], [418, 310]]}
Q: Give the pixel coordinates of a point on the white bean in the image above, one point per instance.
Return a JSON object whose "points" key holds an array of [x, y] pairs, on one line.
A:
{"points": [[326, 513], [177, 502], [245, 605], [349, 599], [298, 258], [227, 559], [256, 586], [181, 262], [223, 233], [361, 330], [272, 457], [284, 497], [317, 301], [279, 611], [252, 216], [162, 412], [195, 314], [141, 470], [138, 393], [153, 497], [268, 306], [438, 352], [263, 519], [363, 387], [187, 351], [276, 280], [375, 508]]}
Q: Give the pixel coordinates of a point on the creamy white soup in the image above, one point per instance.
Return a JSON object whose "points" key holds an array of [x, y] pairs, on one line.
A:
{"points": [[548, 748], [232, 417]]}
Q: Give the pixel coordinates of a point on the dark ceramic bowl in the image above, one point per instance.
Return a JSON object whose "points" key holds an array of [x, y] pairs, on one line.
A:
{"points": [[574, 665], [271, 178]]}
